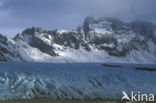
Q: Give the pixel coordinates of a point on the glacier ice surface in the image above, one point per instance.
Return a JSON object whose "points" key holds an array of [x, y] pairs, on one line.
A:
{"points": [[19, 80]]}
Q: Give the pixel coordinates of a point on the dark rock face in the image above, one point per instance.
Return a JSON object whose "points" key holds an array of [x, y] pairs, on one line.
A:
{"points": [[6, 52], [28, 35], [41, 45], [87, 22], [70, 39], [143, 28], [111, 35], [87, 37], [3, 48], [118, 31], [113, 42], [29, 31], [33, 30], [3, 39]]}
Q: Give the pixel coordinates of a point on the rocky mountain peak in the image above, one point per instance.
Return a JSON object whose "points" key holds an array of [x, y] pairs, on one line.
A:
{"points": [[100, 39]]}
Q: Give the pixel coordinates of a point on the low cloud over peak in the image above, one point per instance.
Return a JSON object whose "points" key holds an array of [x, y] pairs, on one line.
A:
{"points": [[68, 14]]}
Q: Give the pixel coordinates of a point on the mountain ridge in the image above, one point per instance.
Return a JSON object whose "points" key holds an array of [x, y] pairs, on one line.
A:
{"points": [[97, 40]]}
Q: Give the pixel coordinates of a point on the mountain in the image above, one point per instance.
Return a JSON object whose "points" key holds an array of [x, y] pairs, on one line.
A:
{"points": [[97, 40], [7, 51]]}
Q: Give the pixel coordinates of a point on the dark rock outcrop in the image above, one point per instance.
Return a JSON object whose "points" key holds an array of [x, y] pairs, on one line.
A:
{"points": [[42, 46]]}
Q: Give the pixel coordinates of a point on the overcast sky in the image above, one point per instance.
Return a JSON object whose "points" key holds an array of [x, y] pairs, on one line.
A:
{"points": [[16, 15]]}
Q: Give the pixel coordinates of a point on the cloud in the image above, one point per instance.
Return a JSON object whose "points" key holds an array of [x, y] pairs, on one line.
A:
{"points": [[126, 9], [1, 4], [10, 32], [4, 13], [68, 14]]}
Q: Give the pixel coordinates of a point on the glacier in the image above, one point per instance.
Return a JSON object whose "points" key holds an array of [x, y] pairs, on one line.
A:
{"points": [[24, 80]]}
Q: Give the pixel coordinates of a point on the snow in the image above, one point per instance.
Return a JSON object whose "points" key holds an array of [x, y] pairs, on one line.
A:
{"points": [[102, 31], [73, 80], [45, 37], [68, 55], [59, 31], [124, 36]]}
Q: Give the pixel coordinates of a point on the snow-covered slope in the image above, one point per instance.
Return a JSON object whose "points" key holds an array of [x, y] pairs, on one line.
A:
{"points": [[7, 51], [74, 80], [98, 40]]}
